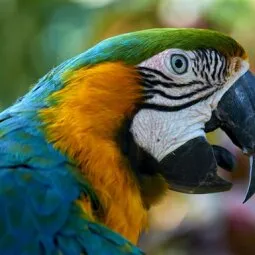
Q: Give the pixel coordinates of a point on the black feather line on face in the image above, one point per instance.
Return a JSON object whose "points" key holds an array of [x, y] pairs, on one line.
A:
{"points": [[171, 84], [215, 66], [142, 69], [175, 108], [185, 96], [205, 64]]}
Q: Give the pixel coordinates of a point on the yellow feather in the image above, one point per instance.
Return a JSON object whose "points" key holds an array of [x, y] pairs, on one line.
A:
{"points": [[84, 124]]}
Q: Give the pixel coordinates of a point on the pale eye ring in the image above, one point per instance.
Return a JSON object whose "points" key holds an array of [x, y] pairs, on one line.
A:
{"points": [[179, 63]]}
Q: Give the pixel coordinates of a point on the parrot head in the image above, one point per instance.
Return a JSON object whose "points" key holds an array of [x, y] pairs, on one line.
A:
{"points": [[154, 94]]}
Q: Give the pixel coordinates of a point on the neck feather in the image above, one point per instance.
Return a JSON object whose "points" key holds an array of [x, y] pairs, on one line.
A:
{"points": [[83, 123]]}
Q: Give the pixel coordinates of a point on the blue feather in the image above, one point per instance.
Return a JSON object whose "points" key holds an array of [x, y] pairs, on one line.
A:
{"points": [[38, 189]]}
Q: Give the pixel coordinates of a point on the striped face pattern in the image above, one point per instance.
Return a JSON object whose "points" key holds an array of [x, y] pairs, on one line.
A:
{"points": [[182, 79], [181, 90]]}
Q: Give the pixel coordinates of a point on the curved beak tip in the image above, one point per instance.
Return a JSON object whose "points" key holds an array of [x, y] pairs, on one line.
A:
{"points": [[251, 187], [235, 114]]}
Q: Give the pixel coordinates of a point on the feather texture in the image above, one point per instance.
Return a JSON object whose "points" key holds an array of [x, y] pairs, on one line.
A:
{"points": [[48, 203], [83, 122], [39, 194]]}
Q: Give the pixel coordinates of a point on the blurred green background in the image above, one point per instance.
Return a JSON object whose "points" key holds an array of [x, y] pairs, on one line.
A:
{"points": [[36, 35]]}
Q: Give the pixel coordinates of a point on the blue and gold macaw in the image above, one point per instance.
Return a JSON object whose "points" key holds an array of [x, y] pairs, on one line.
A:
{"points": [[102, 137]]}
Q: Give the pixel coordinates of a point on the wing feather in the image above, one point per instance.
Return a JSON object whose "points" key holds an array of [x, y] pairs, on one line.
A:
{"points": [[39, 188]]}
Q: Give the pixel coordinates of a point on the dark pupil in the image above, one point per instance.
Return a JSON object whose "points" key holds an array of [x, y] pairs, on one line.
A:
{"points": [[178, 63]]}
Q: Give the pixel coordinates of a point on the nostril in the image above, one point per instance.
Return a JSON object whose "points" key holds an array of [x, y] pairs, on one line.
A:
{"points": [[245, 151], [248, 151], [235, 65]]}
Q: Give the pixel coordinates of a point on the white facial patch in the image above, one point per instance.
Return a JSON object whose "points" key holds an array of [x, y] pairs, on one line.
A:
{"points": [[162, 132]]}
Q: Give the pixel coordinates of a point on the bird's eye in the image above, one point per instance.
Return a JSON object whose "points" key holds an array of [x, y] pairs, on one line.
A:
{"points": [[179, 63]]}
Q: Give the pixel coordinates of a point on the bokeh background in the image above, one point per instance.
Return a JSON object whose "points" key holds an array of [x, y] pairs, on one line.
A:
{"points": [[36, 35]]}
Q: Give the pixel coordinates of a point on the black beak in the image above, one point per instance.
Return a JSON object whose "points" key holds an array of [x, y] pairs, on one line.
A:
{"points": [[235, 115], [193, 167], [194, 164]]}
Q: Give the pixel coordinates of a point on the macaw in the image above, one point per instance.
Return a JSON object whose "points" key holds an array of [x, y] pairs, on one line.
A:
{"points": [[102, 137]]}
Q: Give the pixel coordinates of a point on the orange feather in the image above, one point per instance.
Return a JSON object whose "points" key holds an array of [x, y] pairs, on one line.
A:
{"points": [[89, 111]]}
